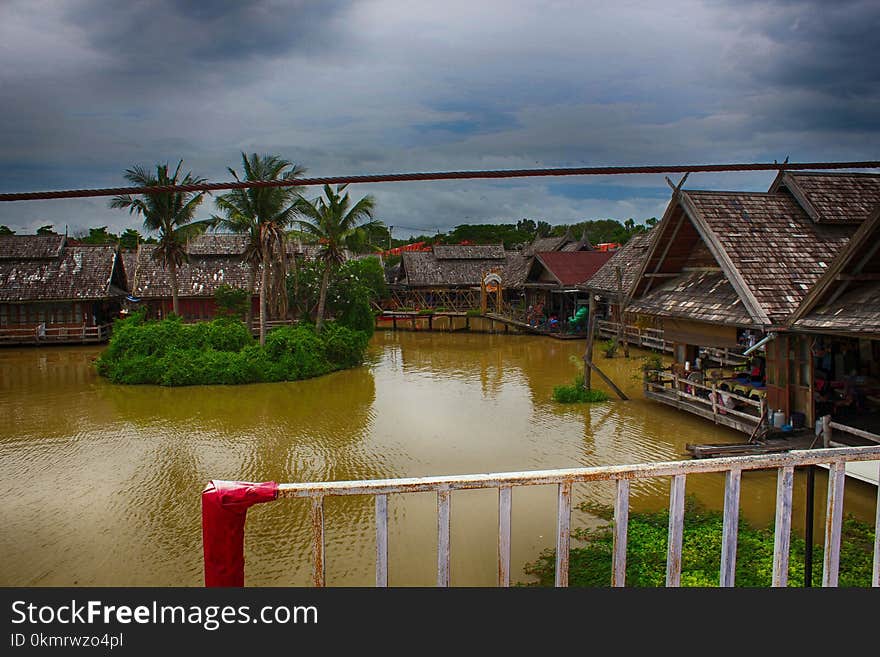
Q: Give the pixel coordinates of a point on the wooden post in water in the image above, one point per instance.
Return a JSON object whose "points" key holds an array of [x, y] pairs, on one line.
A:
{"points": [[621, 305], [588, 354]]}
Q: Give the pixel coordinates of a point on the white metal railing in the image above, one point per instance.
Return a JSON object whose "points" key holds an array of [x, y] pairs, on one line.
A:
{"points": [[733, 467], [50, 333]]}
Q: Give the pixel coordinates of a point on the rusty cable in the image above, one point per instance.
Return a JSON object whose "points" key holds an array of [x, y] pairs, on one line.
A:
{"points": [[439, 175]]}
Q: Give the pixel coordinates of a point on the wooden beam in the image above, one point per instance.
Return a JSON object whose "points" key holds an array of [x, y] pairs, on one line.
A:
{"points": [[591, 330], [666, 250], [591, 365], [858, 277]]}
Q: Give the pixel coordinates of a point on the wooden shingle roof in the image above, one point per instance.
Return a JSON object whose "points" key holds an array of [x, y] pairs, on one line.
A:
{"points": [[199, 277], [83, 272], [832, 198], [629, 258], [425, 269], [469, 252], [769, 242], [698, 295], [31, 247]]}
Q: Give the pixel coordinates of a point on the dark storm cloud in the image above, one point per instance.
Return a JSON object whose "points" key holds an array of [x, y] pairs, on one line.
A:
{"points": [[164, 35], [93, 87]]}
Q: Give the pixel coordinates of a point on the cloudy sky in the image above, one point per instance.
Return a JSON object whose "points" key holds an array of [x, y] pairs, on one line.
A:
{"points": [[89, 88]]}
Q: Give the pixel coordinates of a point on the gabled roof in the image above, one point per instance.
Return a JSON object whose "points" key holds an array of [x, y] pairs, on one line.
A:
{"points": [[81, 272], [217, 244], [31, 247], [832, 198], [629, 258], [847, 298], [565, 242], [698, 295], [199, 277], [770, 250], [424, 269], [570, 267]]}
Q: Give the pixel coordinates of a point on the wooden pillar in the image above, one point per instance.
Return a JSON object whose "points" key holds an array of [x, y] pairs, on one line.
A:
{"points": [[621, 305], [826, 431], [588, 354]]}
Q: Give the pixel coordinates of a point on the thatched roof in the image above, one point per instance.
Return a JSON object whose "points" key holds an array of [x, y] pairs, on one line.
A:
{"points": [[629, 258], [565, 242], [51, 270], [217, 244], [832, 198]]}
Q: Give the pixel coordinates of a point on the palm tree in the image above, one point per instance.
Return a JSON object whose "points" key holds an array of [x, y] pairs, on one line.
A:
{"points": [[335, 223], [264, 214], [168, 213]]}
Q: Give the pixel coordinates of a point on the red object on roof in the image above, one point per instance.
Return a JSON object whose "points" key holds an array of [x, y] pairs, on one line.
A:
{"points": [[415, 246], [224, 511], [573, 267], [608, 246]]}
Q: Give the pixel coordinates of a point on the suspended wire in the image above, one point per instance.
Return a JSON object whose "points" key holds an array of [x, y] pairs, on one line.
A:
{"points": [[439, 175]]}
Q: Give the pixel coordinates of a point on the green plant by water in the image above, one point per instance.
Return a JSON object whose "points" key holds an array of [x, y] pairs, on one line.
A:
{"points": [[171, 353], [576, 393], [647, 536]]}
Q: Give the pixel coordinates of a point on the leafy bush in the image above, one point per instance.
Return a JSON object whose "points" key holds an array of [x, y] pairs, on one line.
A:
{"points": [[223, 351], [231, 301], [574, 393], [474, 312], [701, 552], [609, 348]]}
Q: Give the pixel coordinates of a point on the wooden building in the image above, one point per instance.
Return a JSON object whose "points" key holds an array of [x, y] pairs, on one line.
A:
{"points": [[737, 269], [53, 291], [212, 260], [605, 282], [554, 283], [450, 276]]}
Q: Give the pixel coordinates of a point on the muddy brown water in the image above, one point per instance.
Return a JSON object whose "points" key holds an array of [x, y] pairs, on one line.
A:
{"points": [[100, 483]]}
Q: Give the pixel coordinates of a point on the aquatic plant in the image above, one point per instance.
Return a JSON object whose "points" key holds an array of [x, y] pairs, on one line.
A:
{"points": [[576, 393], [590, 565], [171, 353]]}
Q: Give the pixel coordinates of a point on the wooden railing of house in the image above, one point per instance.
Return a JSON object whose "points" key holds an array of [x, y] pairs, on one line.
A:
{"points": [[678, 387], [652, 338], [564, 479], [56, 334], [451, 300]]}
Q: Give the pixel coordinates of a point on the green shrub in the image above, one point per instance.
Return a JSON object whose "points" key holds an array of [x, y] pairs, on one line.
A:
{"points": [[223, 351], [474, 312], [575, 393], [647, 533]]}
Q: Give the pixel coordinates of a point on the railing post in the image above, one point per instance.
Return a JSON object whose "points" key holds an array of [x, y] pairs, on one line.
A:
{"points": [[676, 527], [318, 540], [504, 536], [621, 522], [782, 526], [833, 522], [715, 402], [443, 537], [826, 431], [730, 528], [563, 533], [381, 540]]}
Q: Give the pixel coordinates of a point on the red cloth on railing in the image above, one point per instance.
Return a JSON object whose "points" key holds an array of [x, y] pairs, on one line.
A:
{"points": [[224, 511]]}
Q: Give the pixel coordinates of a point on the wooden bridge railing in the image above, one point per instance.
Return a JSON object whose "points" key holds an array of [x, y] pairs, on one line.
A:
{"points": [[565, 479]]}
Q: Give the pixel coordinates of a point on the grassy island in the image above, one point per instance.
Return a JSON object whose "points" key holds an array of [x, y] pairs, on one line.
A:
{"points": [[171, 353]]}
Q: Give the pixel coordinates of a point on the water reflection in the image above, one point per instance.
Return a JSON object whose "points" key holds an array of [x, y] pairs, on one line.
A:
{"points": [[102, 482]]}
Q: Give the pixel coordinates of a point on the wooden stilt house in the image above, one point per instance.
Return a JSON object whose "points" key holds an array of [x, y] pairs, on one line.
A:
{"points": [[53, 291], [731, 270]]}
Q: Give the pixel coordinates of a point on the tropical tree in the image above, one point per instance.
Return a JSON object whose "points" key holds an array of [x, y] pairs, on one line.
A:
{"points": [[334, 223], [264, 214], [170, 214]]}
